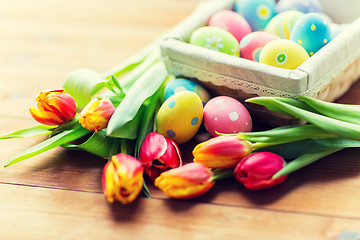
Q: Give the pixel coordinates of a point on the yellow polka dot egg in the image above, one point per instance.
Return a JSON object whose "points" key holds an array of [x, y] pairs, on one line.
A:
{"points": [[180, 116], [312, 32], [283, 53]]}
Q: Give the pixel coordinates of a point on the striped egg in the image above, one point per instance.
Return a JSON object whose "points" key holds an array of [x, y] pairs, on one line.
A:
{"points": [[282, 24], [312, 32]]}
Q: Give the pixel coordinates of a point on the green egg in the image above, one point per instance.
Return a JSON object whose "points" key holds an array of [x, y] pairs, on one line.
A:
{"points": [[216, 39]]}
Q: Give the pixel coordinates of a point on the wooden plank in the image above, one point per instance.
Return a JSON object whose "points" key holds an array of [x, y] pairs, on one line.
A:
{"points": [[41, 213]]}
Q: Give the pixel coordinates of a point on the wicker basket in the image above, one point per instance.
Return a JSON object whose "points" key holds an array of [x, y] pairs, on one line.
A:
{"points": [[327, 75]]}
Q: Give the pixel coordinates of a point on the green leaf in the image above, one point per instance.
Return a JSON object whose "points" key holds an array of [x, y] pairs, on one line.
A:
{"points": [[331, 125], [98, 143], [132, 77], [345, 112], [305, 160], [143, 88], [134, 61], [80, 85], [29, 132], [268, 102], [50, 143], [151, 105], [286, 134]]}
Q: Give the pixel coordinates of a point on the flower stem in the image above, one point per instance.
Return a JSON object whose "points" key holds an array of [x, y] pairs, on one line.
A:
{"points": [[220, 173]]}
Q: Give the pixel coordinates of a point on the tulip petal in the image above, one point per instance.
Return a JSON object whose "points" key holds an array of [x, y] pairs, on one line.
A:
{"points": [[153, 147], [45, 117]]}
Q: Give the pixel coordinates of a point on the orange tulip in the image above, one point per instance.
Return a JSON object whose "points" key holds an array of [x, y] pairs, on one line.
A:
{"points": [[54, 107], [222, 151], [96, 114], [122, 178], [188, 181]]}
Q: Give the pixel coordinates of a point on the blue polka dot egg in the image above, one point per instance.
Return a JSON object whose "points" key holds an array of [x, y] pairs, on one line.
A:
{"points": [[257, 12], [312, 32], [183, 84], [180, 116]]}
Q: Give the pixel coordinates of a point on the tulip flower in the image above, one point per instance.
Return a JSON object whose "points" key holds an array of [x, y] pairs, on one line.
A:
{"points": [[221, 152], [158, 154], [122, 178], [96, 114], [256, 170], [188, 181], [54, 107]]}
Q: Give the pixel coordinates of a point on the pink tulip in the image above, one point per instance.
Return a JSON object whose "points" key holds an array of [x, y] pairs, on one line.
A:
{"points": [[158, 154], [256, 170]]}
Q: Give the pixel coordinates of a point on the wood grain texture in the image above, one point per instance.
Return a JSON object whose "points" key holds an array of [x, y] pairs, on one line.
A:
{"points": [[57, 194]]}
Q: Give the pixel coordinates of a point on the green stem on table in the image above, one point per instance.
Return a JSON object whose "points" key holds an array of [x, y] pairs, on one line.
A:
{"points": [[222, 173], [305, 160], [146, 190]]}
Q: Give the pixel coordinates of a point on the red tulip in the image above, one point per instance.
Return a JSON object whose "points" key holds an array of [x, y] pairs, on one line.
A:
{"points": [[188, 181], [96, 114], [158, 154], [256, 170], [122, 178], [221, 152], [54, 107]]}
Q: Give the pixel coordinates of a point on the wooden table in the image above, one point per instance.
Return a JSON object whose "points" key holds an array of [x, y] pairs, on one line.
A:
{"points": [[57, 195]]}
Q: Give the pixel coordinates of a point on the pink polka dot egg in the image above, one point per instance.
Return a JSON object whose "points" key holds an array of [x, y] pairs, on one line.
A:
{"points": [[225, 114]]}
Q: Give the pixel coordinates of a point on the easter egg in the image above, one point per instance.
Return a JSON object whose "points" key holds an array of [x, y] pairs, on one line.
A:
{"points": [[182, 84], [282, 24], [256, 12], [252, 44], [180, 116], [305, 6], [312, 32], [225, 114], [232, 22], [216, 39], [283, 53]]}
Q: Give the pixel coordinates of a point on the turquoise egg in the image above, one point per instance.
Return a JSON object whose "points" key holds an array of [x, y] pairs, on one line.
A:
{"points": [[256, 12], [312, 32], [183, 84]]}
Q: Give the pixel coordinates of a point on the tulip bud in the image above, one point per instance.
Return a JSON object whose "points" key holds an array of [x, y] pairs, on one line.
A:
{"points": [[188, 181], [221, 152], [54, 107], [158, 154], [256, 170], [96, 114], [122, 178]]}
